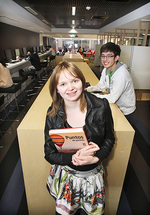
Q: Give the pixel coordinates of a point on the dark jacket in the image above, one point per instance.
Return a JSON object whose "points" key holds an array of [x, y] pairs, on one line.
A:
{"points": [[98, 129], [35, 61]]}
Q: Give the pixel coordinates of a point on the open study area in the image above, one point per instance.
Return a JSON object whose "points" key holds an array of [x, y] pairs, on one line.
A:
{"points": [[23, 169], [36, 168]]}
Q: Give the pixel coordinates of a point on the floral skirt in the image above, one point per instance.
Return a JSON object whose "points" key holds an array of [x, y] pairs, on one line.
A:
{"points": [[75, 189]]}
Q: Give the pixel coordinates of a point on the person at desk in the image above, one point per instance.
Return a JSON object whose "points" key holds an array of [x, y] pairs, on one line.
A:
{"points": [[34, 59], [80, 50], [116, 80], [65, 50], [76, 179], [51, 54], [5, 76], [84, 52]]}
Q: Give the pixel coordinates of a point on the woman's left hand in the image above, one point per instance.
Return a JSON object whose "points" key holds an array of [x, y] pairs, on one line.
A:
{"points": [[85, 156], [84, 160], [89, 150]]}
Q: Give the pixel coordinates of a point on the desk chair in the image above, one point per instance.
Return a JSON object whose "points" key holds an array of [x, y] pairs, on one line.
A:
{"points": [[4, 118], [44, 66], [12, 90], [53, 62], [21, 80], [31, 73], [23, 73]]}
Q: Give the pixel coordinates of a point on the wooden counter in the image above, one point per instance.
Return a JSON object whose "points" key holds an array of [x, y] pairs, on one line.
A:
{"points": [[73, 57], [36, 168]]}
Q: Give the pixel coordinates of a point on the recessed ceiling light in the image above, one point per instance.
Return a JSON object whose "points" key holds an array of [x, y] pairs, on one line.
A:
{"points": [[73, 22], [45, 21], [72, 35], [7, 18], [88, 7], [73, 11], [31, 10]]}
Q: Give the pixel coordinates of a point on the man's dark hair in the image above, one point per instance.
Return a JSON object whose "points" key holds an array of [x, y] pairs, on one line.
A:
{"points": [[31, 50], [112, 47]]}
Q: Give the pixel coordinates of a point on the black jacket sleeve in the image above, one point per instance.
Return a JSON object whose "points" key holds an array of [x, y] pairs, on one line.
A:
{"points": [[109, 139]]}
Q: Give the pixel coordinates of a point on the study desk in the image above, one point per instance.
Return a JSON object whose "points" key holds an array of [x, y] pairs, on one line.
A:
{"points": [[73, 57], [36, 168], [15, 67]]}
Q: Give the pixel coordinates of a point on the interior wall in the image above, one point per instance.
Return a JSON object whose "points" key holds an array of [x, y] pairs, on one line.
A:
{"points": [[52, 42], [140, 67], [97, 60], [12, 37], [125, 56]]}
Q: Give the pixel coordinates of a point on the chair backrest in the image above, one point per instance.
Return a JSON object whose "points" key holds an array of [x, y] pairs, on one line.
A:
{"points": [[1, 100]]}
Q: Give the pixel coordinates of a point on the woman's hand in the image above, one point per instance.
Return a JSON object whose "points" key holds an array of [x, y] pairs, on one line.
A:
{"points": [[84, 160], [89, 150], [85, 156]]}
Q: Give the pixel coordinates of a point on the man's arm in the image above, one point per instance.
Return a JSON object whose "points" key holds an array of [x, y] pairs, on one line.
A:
{"points": [[116, 90], [101, 86]]}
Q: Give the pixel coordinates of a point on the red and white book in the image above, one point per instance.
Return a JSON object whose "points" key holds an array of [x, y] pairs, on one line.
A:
{"points": [[68, 140]]}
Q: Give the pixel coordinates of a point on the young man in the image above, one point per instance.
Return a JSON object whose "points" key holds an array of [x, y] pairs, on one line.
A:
{"points": [[116, 80], [51, 53], [34, 59]]}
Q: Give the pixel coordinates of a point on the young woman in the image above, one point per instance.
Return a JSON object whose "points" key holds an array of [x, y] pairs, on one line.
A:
{"points": [[76, 179]]}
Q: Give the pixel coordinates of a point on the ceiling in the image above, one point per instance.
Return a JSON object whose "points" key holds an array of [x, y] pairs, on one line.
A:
{"points": [[54, 17]]}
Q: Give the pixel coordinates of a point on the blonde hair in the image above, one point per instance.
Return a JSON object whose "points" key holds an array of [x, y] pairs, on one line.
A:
{"points": [[57, 99]]}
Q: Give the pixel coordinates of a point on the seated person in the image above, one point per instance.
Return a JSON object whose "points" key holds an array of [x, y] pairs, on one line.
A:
{"points": [[80, 50], [5, 76], [65, 50], [34, 59], [84, 52], [51, 55], [116, 80]]}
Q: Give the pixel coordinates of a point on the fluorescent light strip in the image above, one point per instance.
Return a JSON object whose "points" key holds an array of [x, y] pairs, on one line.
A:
{"points": [[73, 22], [46, 22], [31, 10], [5, 17], [73, 11]]}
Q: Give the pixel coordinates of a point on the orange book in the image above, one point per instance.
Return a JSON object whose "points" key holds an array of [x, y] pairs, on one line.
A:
{"points": [[68, 140]]}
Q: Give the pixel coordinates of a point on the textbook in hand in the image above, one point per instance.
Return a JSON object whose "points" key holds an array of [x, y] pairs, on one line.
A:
{"points": [[68, 140]]}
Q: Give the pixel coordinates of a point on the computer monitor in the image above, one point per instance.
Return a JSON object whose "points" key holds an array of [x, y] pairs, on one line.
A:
{"points": [[8, 54], [34, 49], [24, 51], [41, 49], [17, 52], [37, 49]]}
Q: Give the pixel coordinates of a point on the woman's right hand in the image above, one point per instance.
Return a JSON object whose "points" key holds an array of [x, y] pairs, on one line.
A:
{"points": [[85, 156], [89, 150]]}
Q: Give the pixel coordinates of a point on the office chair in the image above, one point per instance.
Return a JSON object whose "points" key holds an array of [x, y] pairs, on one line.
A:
{"points": [[4, 117], [21, 80], [12, 90]]}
